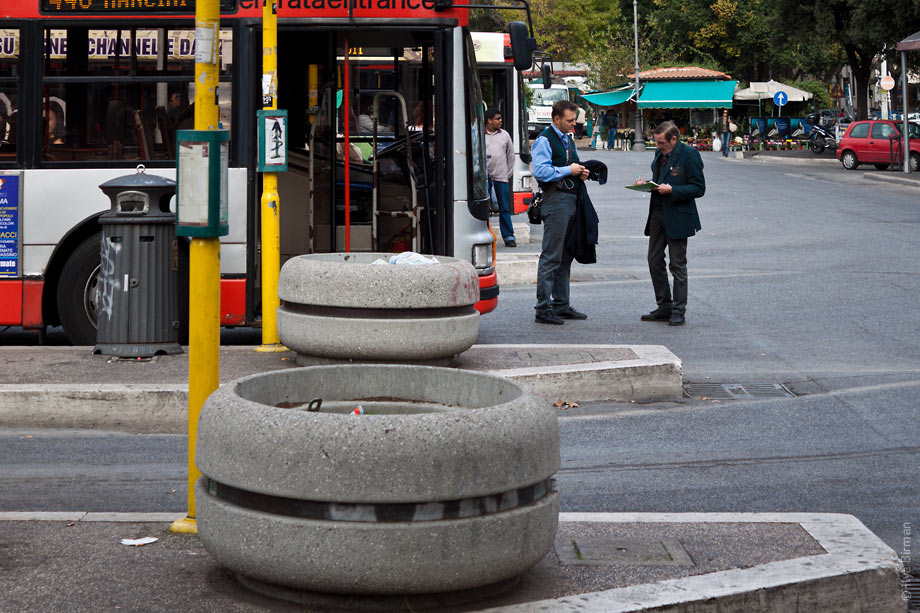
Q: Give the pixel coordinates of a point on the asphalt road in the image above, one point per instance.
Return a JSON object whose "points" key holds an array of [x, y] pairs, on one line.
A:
{"points": [[802, 276]]}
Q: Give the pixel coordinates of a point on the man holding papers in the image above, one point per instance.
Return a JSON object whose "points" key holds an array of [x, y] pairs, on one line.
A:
{"points": [[678, 172]]}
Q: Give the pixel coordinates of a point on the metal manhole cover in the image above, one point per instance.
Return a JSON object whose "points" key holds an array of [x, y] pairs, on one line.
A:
{"points": [[737, 391]]}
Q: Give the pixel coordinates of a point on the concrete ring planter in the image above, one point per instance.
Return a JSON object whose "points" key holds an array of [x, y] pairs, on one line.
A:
{"points": [[443, 484], [342, 306]]}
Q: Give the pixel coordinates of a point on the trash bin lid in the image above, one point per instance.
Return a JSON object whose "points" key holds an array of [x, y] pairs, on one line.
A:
{"points": [[139, 179]]}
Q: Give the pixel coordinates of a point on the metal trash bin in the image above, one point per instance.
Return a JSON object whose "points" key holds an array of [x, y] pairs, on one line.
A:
{"points": [[137, 308]]}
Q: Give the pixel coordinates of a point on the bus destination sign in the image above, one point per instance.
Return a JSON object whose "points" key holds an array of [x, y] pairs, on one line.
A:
{"points": [[116, 7]]}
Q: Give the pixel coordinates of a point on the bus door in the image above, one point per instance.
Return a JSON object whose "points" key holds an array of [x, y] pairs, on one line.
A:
{"points": [[503, 89], [385, 102]]}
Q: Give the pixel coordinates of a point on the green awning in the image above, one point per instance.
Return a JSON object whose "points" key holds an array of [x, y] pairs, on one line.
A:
{"points": [[687, 95], [611, 98]]}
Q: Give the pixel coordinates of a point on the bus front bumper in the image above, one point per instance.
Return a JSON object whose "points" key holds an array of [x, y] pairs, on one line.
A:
{"points": [[488, 293]]}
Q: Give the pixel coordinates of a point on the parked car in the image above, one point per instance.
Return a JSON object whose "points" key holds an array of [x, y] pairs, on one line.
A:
{"points": [[877, 142]]}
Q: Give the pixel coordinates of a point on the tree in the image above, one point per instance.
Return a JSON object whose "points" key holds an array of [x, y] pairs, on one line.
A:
{"points": [[575, 31], [863, 28], [738, 36]]}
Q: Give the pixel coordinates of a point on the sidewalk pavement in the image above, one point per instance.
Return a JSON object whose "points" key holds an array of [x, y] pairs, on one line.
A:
{"points": [[600, 562], [151, 395], [610, 562]]}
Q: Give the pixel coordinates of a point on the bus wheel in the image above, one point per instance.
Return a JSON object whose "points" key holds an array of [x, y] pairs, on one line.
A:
{"points": [[78, 292]]}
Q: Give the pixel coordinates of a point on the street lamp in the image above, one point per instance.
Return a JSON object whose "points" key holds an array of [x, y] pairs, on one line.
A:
{"points": [[639, 140]]}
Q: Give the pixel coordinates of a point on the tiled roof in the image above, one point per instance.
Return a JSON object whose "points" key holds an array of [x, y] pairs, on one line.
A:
{"points": [[683, 72]]}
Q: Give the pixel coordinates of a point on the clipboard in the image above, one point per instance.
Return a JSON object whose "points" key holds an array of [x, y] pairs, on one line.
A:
{"points": [[643, 187]]}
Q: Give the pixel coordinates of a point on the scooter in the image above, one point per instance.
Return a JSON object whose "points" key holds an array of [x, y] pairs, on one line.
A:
{"points": [[820, 137]]}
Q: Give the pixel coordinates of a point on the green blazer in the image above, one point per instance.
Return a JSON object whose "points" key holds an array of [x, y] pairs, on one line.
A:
{"points": [[684, 172]]}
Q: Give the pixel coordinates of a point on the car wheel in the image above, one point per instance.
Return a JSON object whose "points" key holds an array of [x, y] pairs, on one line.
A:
{"points": [[914, 162], [849, 160], [78, 292], [882, 166]]}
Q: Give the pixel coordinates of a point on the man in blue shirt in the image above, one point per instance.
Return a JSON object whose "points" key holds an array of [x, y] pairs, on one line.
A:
{"points": [[555, 164]]}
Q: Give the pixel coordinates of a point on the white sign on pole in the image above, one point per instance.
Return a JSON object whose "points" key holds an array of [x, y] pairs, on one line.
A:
{"points": [[887, 83]]}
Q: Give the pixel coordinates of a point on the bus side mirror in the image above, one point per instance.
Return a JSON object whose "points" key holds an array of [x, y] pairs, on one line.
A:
{"points": [[547, 74], [522, 45]]}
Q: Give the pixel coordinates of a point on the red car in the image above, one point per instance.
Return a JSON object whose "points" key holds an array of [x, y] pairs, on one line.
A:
{"points": [[875, 142]]}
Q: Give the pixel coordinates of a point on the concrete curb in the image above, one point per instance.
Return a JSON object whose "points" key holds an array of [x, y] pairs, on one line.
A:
{"points": [[521, 232], [858, 568], [656, 375], [857, 572], [137, 408], [651, 373], [891, 177], [794, 161], [516, 268]]}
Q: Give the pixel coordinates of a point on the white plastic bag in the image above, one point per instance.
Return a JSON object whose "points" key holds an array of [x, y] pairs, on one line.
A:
{"points": [[411, 258]]}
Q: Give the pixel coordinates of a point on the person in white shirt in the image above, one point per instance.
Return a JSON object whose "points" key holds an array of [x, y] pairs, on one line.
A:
{"points": [[500, 154]]}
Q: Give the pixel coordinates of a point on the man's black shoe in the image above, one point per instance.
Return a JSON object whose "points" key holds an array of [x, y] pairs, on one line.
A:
{"points": [[510, 243], [548, 317], [657, 315], [676, 319], [571, 313]]}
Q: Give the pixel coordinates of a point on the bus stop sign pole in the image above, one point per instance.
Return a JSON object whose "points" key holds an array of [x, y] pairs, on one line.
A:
{"points": [[204, 257], [271, 148]]}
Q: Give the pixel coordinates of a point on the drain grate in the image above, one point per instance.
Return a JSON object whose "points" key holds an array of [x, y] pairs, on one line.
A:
{"points": [[737, 391]]}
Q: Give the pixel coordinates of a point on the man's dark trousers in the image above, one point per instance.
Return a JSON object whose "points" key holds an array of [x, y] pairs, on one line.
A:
{"points": [[677, 263], [555, 264], [504, 209]]}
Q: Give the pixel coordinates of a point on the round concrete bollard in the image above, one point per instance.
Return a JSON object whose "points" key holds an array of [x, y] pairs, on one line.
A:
{"points": [[443, 484], [342, 306]]}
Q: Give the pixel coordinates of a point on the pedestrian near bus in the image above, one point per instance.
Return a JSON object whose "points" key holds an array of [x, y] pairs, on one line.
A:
{"points": [[500, 165], [726, 125], [559, 173], [672, 219]]}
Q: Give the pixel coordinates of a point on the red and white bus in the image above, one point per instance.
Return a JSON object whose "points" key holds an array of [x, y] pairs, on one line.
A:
{"points": [[503, 89], [90, 89]]}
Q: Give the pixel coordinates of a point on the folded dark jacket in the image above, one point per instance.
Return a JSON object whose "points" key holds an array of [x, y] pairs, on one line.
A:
{"points": [[582, 232], [597, 170]]}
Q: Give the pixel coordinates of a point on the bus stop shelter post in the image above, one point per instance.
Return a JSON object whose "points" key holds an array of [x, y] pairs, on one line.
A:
{"points": [[270, 217], [204, 259]]}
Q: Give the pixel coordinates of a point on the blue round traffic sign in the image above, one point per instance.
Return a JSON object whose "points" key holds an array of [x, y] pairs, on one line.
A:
{"points": [[780, 98]]}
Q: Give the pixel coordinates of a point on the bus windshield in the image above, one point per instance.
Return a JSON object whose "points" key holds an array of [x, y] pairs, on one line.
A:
{"points": [[548, 97]]}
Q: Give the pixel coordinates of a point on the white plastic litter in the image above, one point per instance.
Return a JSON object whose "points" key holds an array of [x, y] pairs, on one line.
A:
{"points": [[139, 542], [380, 261], [411, 258]]}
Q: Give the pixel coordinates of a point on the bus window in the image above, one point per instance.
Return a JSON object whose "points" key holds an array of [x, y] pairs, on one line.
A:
{"points": [[122, 117], [476, 118], [523, 136], [9, 77]]}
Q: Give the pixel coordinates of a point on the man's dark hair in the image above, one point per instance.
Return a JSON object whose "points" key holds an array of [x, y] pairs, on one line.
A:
{"points": [[562, 106], [669, 129], [491, 113]]}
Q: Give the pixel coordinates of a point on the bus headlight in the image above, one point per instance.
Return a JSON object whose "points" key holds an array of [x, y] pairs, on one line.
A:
{"points": [[482, 255]]}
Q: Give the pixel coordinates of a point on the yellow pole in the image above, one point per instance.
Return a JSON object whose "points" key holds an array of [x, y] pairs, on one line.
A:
{"points": [[204, 258], [271, 225], [312, 89]]}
